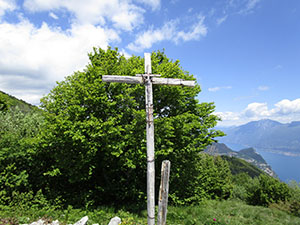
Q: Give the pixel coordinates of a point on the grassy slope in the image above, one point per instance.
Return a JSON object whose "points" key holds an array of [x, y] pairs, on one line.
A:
{"points": [[225, 212]]}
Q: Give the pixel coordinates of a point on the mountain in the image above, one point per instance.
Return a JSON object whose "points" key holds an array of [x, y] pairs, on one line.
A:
{"points": [[10, 102], [238, 166], [249, 155], [266, 135]]}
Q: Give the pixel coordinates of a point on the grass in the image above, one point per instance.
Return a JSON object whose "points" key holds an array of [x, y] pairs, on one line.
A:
{"points": [[229, 212], [209, 212]]}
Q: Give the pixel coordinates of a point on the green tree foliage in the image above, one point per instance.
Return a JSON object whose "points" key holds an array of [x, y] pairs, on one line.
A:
{"points": [[238, 166], [10, 102], [211, 179], [18, 131], [295, 198], [265, 190], [94, 143], [3, 105]]}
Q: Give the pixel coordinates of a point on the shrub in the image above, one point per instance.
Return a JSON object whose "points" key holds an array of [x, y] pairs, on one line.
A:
{"points": [[211, 179], [295, 198], [18, 131], [265, 190]]}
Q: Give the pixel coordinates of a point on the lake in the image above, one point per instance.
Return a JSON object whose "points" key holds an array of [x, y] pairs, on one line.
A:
{"points": [[286, 167]]}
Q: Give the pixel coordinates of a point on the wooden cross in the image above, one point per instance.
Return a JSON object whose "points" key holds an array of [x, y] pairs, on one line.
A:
{"points": [[148, 79]]}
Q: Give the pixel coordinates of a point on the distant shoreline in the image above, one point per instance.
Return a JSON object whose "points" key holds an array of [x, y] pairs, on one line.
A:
{"points": [[291, 154]]}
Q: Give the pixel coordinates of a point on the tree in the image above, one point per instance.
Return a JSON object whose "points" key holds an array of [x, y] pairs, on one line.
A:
{"points": [[265, 190], [3, 106], [94, 142], [18, 138], [209, 178]]}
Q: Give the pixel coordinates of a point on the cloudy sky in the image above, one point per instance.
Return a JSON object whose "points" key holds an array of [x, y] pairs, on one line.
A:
{"points": [[245, 54]]}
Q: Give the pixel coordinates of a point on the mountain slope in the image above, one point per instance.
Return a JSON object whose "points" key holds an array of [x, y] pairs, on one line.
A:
{"points": [[267, 135], [9, 102], [237, 166], [249, 155]]}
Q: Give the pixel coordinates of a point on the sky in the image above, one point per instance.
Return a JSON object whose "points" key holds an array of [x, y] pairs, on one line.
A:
{"points": [[245, 54]]}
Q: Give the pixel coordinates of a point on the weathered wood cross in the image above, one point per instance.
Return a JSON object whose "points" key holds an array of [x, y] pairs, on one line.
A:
{"points": [[148, 79]]}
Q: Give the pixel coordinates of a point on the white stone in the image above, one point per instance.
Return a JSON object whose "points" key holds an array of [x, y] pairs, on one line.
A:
{"points": [[39, 222], [55, 222], [115, 221], [83, 221]]}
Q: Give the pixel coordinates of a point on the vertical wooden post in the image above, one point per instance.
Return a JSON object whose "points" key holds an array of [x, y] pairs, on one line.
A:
{"points": [[163, 193], [150, 142]]}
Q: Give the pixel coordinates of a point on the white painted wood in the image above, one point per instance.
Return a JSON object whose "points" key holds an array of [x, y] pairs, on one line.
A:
{"points": [[172, 81], [150, 142], [163, 193], [123, 79], [154, 79], [147, 58]]}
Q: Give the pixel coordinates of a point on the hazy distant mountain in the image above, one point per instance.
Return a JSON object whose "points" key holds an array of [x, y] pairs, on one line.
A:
{"points": [[267, 135], [249, 155]]}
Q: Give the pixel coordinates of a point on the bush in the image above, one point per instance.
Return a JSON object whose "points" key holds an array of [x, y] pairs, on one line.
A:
{"points": [[265, 190], [209, 179], [295, 198], [18, 139]]}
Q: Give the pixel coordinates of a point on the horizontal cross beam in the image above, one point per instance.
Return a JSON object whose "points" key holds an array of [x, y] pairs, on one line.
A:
{"points": [[154, 80]]}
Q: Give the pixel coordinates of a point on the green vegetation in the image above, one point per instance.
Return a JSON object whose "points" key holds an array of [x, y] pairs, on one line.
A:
{"points": [[100, 128], [239, 166], [231, 212], [18, 132], [9, 102], [267, 191], [85, 154]]}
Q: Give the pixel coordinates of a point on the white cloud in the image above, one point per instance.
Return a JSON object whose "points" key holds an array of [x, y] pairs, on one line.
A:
{"points": [[214, 89], [44, 55], [228, 116], [286, 106], [168, 32], [250, 6], [284, 111], [252, 3], [122, 13], [7, 5], [53, 15], [256, 110], [197, 30], [155, 4], [222, 20], [263, 88], [151, 36]]}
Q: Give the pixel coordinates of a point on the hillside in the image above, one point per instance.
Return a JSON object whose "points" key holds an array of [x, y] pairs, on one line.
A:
{"points": [[9, 102], [245, 160], [237, 166], [267, 135]]}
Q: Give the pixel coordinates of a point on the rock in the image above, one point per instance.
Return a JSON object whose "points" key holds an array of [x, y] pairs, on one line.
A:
{"points": [[42, 222], [55, 222], [115, 221], [39, 222], [83, 221]]}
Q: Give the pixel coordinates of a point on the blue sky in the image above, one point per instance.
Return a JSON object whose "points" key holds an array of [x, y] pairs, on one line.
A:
{"points": [[245, 54]]}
